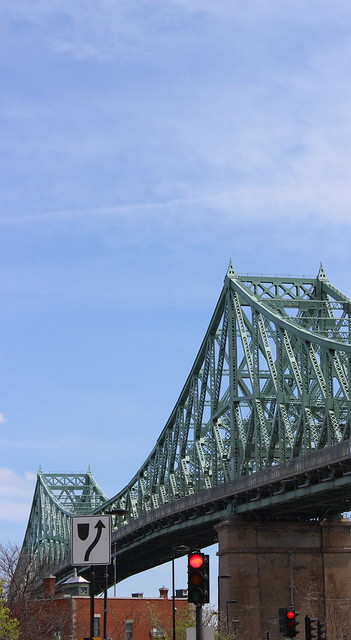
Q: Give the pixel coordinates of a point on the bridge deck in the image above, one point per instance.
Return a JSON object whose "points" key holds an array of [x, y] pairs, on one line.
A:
{"points": [[315, 486]]}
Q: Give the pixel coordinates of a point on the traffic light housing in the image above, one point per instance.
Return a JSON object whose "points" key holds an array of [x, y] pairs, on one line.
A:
{"points": [[310, 628], [320, 630], [198, 578], [291, 623], [288, 622]]}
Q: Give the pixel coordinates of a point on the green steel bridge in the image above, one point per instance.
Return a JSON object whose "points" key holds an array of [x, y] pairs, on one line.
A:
{"points": [[261, 429]]}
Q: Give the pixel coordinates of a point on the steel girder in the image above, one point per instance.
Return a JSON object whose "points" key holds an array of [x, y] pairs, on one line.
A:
{"points": [[270, 383]]}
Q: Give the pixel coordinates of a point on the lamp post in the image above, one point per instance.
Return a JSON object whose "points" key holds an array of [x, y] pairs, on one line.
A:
{"points": [[224, 576], [112, 512], [181, 547], [92, 596], [114, 570]]}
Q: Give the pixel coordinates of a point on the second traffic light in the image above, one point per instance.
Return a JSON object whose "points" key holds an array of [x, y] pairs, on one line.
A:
{"points": [[198, 578], [320, 630], [310, 628]]}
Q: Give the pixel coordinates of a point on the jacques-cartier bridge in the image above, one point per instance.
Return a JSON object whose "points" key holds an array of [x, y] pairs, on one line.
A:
{"points": [[260, 430]]}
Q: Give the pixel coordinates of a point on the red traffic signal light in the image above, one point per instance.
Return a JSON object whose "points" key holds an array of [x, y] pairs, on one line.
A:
{"points": [[196, 560], [198, 578], [291, 623], [288, 622]]}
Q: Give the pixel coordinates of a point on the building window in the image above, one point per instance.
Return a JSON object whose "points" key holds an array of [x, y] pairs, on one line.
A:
{"points": [[96, 626], [129, 629]]}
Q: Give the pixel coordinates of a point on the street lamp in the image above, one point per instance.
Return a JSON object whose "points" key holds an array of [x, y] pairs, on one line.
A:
{"points": [[112, 512], [181, 547]]}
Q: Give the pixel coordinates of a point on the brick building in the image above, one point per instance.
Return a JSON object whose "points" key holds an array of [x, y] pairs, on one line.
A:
{"points": [[64, 614]]}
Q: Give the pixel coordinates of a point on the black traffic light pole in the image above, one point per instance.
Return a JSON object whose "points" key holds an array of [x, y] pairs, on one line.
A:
{"points": [[173, 600], [199, 630], [180, 548]]}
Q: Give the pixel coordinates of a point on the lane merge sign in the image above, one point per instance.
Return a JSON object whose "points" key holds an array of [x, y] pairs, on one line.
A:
{"points": [[90, 540]]}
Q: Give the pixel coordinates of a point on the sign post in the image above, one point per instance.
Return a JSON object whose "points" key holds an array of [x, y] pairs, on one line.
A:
{"points": [[91, 545]]}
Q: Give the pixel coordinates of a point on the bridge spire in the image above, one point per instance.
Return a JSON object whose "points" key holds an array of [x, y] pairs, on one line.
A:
{"points": [[231, 272], [321, 274]]}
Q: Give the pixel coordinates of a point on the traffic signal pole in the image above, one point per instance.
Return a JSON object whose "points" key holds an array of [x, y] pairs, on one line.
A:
{"points": [[199, 629], [173, 600]]}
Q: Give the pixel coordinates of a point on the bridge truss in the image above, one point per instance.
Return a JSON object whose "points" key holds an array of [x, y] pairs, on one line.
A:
{"points": [[270, 384]]}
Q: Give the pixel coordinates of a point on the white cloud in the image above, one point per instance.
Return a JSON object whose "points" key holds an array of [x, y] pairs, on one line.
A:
{"points": [[264, 132], [305, 192], [2, 418], [16, 494]]}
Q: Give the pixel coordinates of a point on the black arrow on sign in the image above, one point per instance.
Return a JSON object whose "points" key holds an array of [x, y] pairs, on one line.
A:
{"points": [[99, 526]]}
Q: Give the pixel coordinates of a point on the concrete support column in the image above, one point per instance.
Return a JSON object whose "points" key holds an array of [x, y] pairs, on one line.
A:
{"points": [[282, 564]]}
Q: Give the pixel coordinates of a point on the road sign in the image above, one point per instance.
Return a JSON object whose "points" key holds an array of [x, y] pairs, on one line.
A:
{"points": [[91, 540]]}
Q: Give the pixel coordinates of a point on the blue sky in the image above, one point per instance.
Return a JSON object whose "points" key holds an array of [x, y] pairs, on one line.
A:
{"points": [[143, 145]]}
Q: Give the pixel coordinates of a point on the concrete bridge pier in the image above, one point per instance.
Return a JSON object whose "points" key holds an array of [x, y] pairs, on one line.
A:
{"points": [[275, 564]]}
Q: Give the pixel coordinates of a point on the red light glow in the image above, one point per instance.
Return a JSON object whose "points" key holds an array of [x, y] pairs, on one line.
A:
{"points": [[290, 614], [196, 560]]}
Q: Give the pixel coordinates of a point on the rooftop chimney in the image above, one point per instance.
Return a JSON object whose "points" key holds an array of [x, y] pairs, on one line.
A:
{"points": [[49, 586]]}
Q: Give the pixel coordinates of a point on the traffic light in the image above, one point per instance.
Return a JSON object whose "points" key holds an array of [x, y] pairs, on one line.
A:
{"points": [[292, 622], [309, 628], [320, 630], [288, 622], [198, 578], [282, 621]]}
